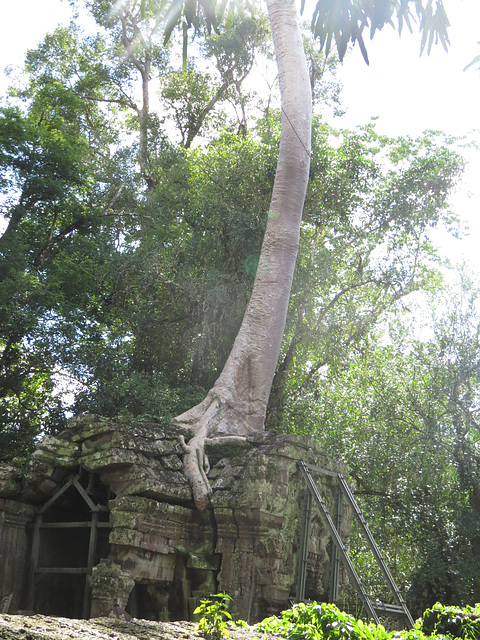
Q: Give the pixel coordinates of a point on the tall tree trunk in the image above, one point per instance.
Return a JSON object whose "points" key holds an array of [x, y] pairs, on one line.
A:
{"points": [[236, 405]]}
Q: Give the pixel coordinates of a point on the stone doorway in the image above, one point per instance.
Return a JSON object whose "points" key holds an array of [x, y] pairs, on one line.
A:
{"points": [[70, 536]]}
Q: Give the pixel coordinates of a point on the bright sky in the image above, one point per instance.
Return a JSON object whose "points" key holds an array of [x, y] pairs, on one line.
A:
{"points": [[412, 93], [408, 94]]}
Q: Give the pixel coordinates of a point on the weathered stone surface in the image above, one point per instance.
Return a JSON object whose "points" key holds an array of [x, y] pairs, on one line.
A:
{"points": [[147, 478], [163, 555], [110, 585], [108, 458], [155, 446], [83, 427], [60, 447], [10, 481], [49, 628], [172, 462], [14, 548], [149, 524]]}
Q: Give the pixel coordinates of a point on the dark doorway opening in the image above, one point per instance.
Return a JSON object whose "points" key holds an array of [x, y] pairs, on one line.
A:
{"points": [[70, 537]]}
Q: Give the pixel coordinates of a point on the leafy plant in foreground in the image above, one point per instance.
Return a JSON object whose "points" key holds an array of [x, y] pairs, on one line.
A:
{"points": [[315, 621], [452, 621], [214, 616]]}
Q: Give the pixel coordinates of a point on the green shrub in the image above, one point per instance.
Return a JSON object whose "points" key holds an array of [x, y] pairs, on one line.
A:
{"points": [[214, 616], [326, 622], [452, 621], [320, 622]]}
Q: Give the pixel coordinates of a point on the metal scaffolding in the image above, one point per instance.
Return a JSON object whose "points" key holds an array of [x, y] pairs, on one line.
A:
{"points": [[340, 553]]}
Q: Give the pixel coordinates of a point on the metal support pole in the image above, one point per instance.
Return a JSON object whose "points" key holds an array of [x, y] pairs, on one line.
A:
{"points": [[338, 542], [375, 550], [340, 553], [303, 550], [335, 562]]}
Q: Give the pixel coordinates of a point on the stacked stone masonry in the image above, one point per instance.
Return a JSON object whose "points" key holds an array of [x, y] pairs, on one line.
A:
{"points": [[161, 555]]}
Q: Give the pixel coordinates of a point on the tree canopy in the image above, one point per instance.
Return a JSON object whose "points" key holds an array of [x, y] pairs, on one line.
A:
{"points": [[403, 415], [136, 196]]}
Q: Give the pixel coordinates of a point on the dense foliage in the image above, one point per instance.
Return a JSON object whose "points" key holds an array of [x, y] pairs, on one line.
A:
{"points": [[314, 621], [403, 415], [326, 622], [136, 192], [126, 271]]}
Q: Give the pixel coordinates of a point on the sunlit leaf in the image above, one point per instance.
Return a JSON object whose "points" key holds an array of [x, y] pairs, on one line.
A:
{"points": [[173, 16], [474, 61], [346, 20]]}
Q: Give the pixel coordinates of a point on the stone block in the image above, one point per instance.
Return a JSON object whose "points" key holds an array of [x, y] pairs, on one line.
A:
{"points": [[245, 543], [110, 586], [10, 481], [146, 565], [103, 460]]}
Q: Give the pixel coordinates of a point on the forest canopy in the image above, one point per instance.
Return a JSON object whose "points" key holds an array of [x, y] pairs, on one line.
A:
{"points": [[136, 195]]}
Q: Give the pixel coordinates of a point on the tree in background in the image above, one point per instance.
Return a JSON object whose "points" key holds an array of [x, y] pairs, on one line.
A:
{"points": [[66, 70], [408, 407], [237, 403], [131, 252], [75, 170], [49, 169], [361, 253]]}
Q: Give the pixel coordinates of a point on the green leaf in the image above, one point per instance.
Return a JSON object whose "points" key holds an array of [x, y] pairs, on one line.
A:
{"points": [[190, 12], [363, 48], [174, 14], [209, 9], [474, 61]]}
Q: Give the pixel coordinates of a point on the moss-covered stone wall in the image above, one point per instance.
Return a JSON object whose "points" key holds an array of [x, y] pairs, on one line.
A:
{"points": [[164, 555]]}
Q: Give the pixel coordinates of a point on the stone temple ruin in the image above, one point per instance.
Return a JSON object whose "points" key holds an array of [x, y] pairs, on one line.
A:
{"points": [[102, 514]]}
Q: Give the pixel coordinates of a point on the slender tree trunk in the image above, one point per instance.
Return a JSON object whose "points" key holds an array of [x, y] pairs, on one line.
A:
{"points": [[236, 405]]}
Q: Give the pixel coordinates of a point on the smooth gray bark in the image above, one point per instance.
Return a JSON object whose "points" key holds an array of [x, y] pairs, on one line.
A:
{"points": [[237, 403]]}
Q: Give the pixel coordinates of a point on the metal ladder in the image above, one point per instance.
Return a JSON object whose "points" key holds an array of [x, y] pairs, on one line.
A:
{"points": [[400, 609]]}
